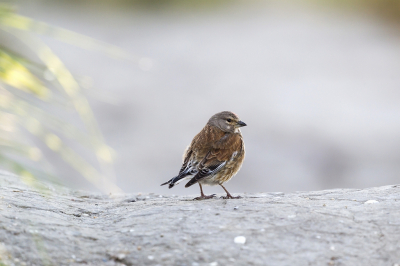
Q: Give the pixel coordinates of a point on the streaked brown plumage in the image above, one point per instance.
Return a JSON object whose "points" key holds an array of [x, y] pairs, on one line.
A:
{"points": [[215, 154]]}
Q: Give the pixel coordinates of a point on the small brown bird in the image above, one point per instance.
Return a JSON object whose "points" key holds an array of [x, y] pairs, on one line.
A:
{"points": [[215, 154]]}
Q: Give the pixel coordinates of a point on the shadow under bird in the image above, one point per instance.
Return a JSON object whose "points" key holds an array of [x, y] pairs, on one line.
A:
{"points": [[215, 154]]}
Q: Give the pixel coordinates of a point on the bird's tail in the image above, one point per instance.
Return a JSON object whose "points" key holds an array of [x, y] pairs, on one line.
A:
{"points": [[173, 181]]}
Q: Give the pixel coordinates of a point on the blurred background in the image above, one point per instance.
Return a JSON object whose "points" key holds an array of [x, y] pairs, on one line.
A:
{"points": [[317, 82]]}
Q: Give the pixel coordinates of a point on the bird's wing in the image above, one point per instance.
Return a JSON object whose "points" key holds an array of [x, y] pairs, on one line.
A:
{"points": [[210, 165], [187, 161], [188, 168]]}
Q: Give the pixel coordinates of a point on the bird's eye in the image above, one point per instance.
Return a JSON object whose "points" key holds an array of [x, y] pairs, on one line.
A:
{"points": [[229, 120]]}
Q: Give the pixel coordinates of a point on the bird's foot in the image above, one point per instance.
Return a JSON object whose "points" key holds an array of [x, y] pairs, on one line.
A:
{"points": [[229, 196], [203, 197]]}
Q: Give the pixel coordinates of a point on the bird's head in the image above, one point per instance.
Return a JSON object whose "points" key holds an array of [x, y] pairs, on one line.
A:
{"points": [[227, 122]]}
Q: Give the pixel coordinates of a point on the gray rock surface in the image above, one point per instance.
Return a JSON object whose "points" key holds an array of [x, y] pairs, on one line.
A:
{"points": [[48, 225]]}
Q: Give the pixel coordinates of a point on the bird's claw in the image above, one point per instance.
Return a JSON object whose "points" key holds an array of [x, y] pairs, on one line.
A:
{"points": [[203, 197], [230, 197]]}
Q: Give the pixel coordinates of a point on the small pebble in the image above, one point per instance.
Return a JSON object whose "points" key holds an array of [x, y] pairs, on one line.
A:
{"points": [[240, 240], [371, 202], [236, 207]]}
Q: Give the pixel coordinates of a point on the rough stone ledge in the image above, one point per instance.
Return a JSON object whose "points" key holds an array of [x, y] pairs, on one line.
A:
{"points": [[58, 226]]}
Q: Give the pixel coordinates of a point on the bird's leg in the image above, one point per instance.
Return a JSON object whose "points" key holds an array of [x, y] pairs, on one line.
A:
{"points": [[202, 194], [228, 195]]}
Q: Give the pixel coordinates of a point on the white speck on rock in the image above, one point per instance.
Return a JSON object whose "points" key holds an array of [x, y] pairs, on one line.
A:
{"points": [[150, 257], [318, 237], [121, 256], [166, 255], [240, 240], [332, 248], [262, 230], [371, 202], [292, 216], [214, 263]]}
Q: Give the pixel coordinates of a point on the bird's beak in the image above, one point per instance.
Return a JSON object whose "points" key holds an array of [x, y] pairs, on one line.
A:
{"points": [[241, 124]]}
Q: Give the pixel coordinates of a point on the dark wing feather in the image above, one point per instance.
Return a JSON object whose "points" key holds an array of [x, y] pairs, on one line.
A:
{"points": [[186, 170], [185, 164]]}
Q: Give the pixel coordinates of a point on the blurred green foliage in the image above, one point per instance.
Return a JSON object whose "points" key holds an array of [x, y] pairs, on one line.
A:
{"points": [[36, 98], [387, 9], [155, 4]]}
